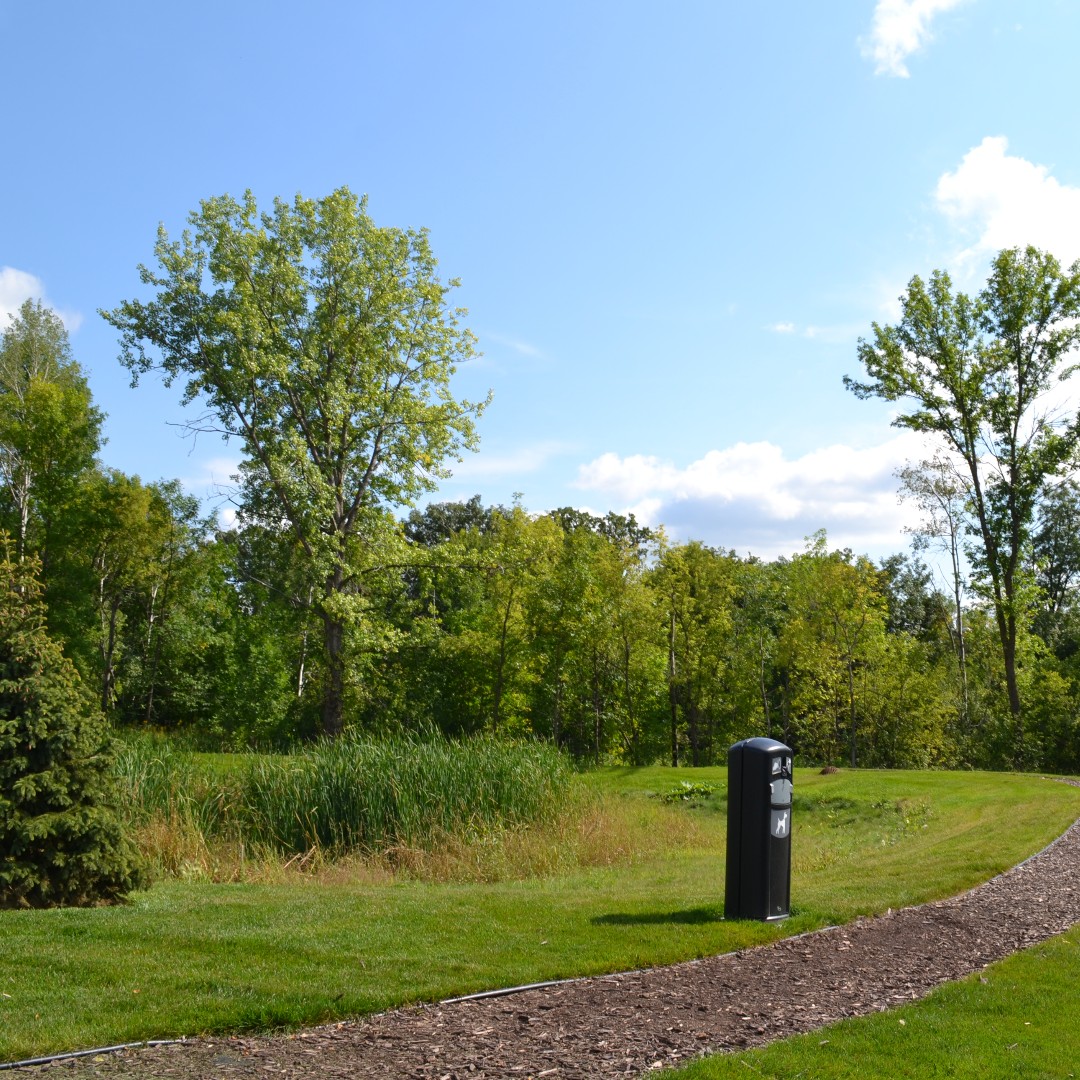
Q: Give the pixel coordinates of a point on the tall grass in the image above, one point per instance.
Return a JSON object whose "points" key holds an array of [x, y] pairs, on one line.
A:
{"points": [[361, 794], [182, 810], [393, 801], [159, 781]]}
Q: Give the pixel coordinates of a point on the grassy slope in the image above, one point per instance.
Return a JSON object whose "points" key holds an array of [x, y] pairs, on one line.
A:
{"points": [[188, 958]]}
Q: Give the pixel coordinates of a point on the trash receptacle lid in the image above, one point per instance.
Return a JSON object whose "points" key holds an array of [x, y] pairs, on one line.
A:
{"points": [[762, 746]]}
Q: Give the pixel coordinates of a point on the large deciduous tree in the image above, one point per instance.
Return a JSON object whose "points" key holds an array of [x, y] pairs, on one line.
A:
{"points": [[325, 345], [979, 374]]}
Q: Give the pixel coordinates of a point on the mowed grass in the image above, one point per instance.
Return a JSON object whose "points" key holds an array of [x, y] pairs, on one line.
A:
{"points": [[1020, 1017], [645, 887], [866, 841]]}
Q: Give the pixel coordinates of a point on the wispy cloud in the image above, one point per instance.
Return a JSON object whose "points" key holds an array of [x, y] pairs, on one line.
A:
{"points": [[1008, 201], [830, 335], [18, 286], [751, 497], [520, 460], [522, 348], [216, 472], [900, 28]]}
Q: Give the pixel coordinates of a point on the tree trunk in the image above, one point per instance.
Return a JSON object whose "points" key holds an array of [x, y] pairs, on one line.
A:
{"points": [[300, 666], [673, 697], [851, 705], [1006, 624], [23, 499], [300, 673], [153, 645], [108, 674], [961, 643], [1009, 656], [764, 690], [692, 725], [1004, 594], [333, 703], [155, 663], [500, 670], [598, 718]]}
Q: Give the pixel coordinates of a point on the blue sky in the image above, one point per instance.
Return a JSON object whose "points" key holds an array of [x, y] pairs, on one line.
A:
{"points": [[672, 224]]}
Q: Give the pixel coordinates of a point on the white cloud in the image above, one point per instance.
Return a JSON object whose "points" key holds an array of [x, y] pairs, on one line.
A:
{"points": [[750, 497], [783, 328], [900, 28], [1010, 202], [17, 286]]}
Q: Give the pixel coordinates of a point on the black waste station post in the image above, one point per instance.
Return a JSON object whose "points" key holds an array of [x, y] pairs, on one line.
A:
{"points": [[758, 880]]}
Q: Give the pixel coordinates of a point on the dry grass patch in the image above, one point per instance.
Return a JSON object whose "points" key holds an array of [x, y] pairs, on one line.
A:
{"points": [[592, 830]]}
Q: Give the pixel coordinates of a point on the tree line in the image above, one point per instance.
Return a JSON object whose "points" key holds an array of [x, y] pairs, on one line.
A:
{"points": [[325, 346]]}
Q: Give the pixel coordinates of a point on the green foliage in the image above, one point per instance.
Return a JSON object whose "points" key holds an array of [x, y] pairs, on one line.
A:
{"points": [[558, 627], [695, 589], [598, 635], [60, 837], [441, 521], [975, 373], [225, 664], [49, 430], [325, 345], [835, 633], [907, 701], [541, 626]]}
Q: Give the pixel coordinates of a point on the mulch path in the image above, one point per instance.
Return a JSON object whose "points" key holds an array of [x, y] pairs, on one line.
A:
{"points": [[625, 1025]]}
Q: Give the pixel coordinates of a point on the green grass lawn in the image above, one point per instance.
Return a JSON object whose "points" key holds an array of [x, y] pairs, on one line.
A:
{"points": [[191, 958], [1020, 1018]]}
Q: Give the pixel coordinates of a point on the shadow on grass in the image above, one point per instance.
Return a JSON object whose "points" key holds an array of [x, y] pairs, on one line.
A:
{"points": [[692, 916]]}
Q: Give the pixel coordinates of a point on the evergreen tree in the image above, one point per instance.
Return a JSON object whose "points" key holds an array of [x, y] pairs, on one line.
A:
{"points": [[60, 838]]}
